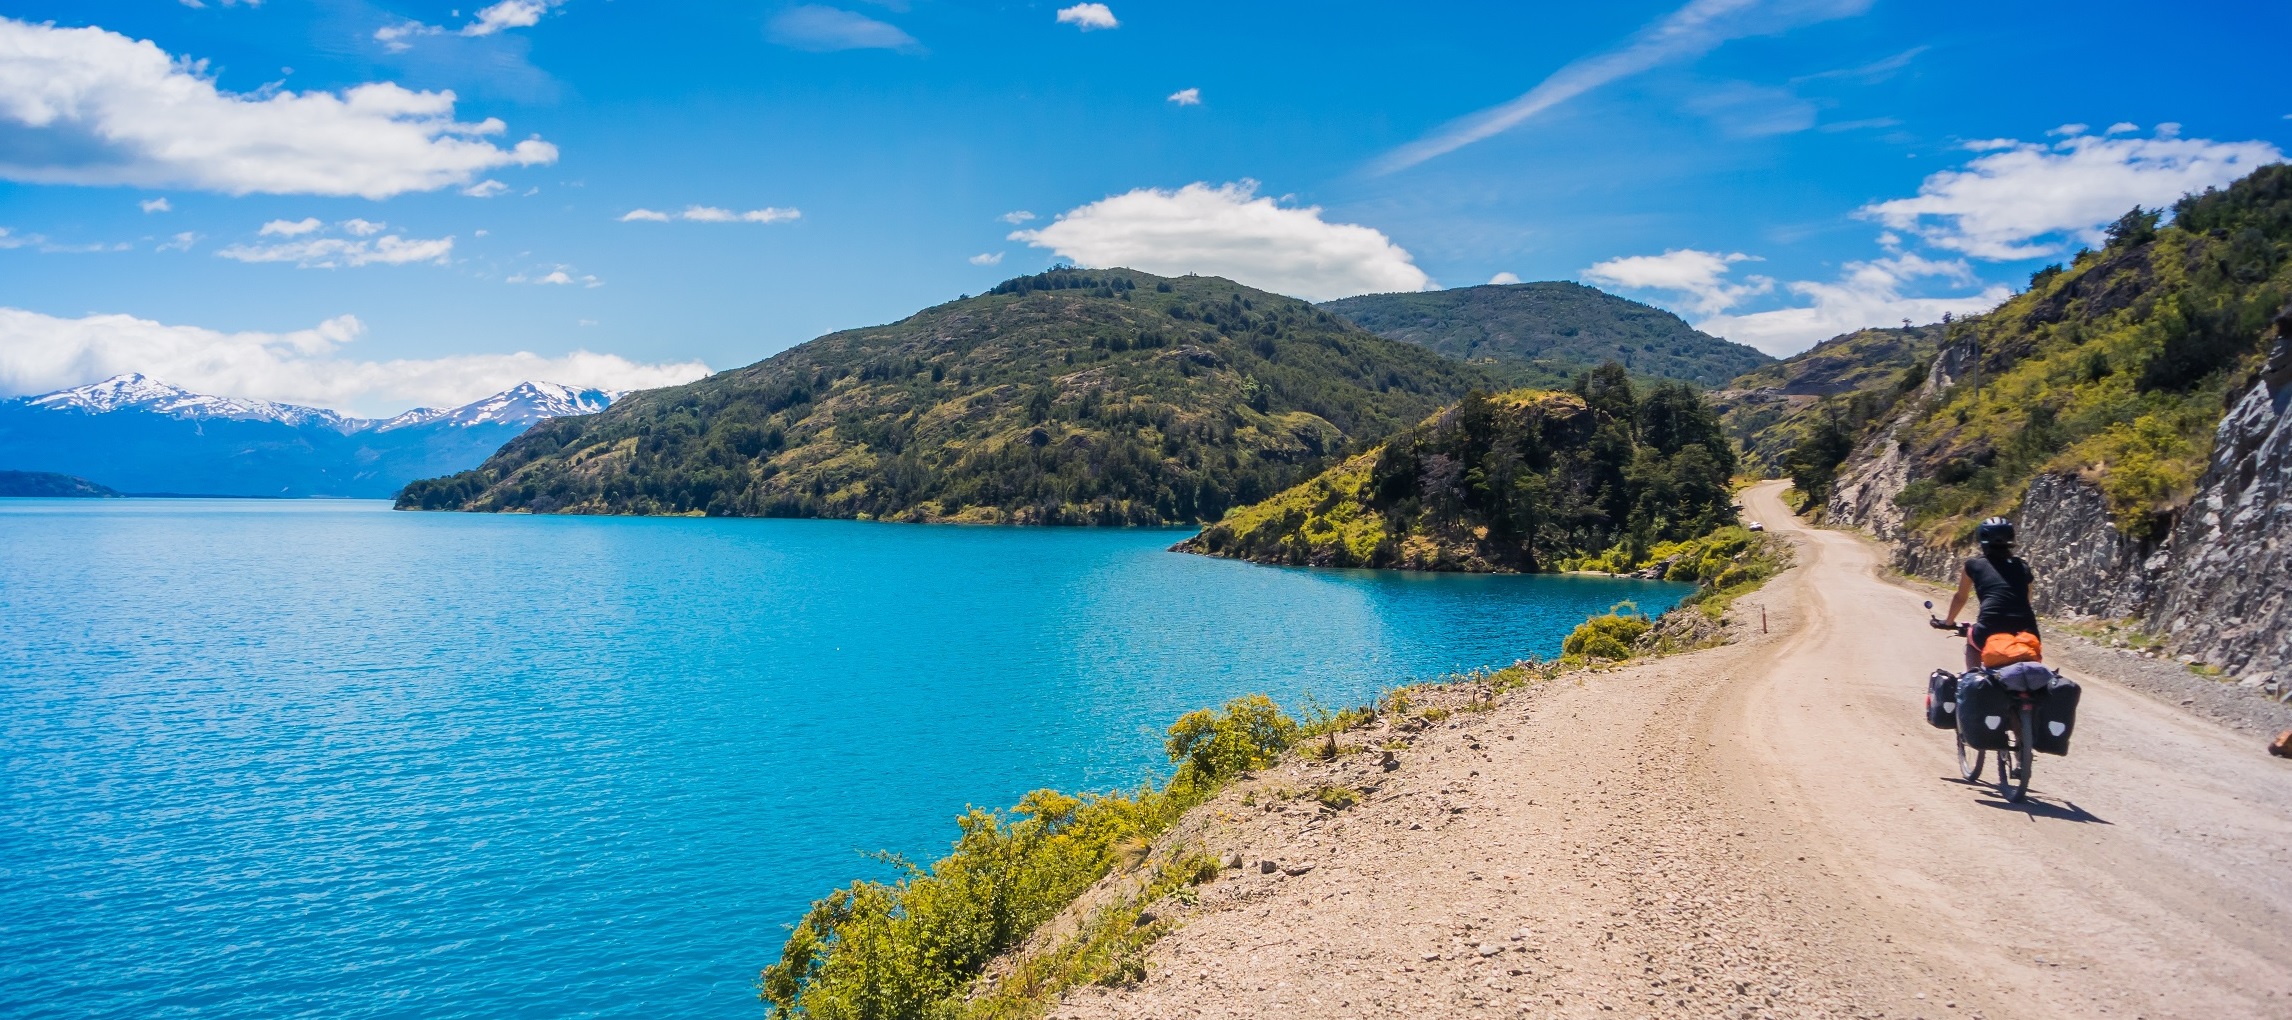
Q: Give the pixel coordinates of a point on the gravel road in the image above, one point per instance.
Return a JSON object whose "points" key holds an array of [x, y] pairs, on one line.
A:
{"points": [[1767, 829]]}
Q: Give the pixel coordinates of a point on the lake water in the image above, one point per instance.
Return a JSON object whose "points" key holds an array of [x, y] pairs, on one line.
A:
{"points": [[320, 759]]}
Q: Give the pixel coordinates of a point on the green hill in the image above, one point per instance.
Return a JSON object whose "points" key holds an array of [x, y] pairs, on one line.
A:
{"points": [[1546, 334], [1075, 396], [1519, 481], [49, 484], [2115, 367], [1823, 395]]}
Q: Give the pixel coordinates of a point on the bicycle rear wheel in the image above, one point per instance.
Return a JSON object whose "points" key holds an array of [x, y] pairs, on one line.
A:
{"points": [[1969, 761], [2014, 761]]}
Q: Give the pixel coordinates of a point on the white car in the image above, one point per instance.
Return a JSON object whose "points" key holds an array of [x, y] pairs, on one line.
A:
{"points": [[1756, 526]]}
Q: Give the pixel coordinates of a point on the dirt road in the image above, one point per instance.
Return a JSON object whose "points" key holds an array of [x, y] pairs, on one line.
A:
{"points": [[1765, 829]]}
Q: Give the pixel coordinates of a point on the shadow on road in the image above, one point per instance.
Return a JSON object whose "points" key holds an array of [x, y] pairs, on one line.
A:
{"points": [[2036, 807]]}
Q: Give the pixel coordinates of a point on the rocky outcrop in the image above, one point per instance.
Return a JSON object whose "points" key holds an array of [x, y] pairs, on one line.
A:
{"points": [[2218, 588], [1864, 494], [2225, 592], [2085, 566]]}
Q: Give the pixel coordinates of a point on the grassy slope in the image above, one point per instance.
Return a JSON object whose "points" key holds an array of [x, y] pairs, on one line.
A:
{"points": [[1545, 334], [1110, 397], [2117, 368], [1520, 481], [1853, 377]]}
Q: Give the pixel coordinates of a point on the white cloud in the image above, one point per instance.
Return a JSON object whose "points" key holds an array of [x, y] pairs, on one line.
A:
{"points": [[1187, 97], [2028, 200], [487, 188], [93, 107], [490, 20], [2121, 127], [362, 228], [339, 253], [2072, 129], [1016, 217], [713, 214], [509, 14], [1866, 294], [40, 353], [394, 37], [1228, 231], [291, 228], [1502, 279], [826, 29], [156, 205], [10, 239], [987, 259], [1700, 276], [180, 242], [1695, 29], [1088, 17], [559, 276]]}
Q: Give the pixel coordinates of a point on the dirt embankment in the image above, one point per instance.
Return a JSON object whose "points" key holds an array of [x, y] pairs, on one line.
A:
{"points": [[1762, 830]]}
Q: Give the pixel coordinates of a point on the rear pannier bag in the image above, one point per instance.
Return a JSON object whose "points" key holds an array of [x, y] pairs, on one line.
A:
{"points": [[1942, 700], [1986, 713], [2056, 716]]}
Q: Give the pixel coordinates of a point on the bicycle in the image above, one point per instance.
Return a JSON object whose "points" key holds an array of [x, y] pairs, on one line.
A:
{"points": [[2013, 760]]}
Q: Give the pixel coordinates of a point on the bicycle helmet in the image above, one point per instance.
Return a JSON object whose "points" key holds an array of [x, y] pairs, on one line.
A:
{"points": [[1995, 531]]}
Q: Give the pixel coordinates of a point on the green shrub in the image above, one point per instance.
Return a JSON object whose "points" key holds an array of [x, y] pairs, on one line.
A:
{"points": [[1609, 636], [1212, 746], [912, 948]]}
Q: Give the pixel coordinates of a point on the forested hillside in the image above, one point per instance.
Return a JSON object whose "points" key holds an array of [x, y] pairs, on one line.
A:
{"points": [[1517, 481], [1075, 396], [2113, 369], [1546, 334], [1807, 410]]}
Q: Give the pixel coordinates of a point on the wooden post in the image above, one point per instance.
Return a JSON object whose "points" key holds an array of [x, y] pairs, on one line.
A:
{"points": [[1762, 618]]}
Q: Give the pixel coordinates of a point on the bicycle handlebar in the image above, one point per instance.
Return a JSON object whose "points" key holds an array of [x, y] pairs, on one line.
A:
{"points": [[1960, 629]]}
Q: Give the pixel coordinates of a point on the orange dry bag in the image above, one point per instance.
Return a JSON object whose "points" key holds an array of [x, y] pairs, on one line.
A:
{"points": [[2009, 648]]}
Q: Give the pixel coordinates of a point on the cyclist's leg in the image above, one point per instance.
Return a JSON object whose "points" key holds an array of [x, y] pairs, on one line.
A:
{"points": [[1974, 650]]}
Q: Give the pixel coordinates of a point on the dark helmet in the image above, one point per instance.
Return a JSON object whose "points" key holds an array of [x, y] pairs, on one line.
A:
{"points": [[1995, 531]]}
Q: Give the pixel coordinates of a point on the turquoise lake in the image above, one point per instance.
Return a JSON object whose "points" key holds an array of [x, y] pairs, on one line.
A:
{"points": [[321, 759]]}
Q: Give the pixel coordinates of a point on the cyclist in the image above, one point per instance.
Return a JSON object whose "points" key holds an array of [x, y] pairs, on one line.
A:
{"points": [[2001, 581]]}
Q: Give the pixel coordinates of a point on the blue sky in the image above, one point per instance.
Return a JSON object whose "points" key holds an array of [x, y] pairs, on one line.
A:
{"points": [[1775, 170]]}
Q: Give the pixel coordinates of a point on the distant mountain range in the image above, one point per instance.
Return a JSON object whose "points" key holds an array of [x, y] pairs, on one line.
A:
{"points": [[137, 434], [1546, 334]]}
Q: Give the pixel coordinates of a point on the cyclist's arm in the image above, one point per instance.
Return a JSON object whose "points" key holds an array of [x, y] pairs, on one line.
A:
{"points": [[1958, 601]]}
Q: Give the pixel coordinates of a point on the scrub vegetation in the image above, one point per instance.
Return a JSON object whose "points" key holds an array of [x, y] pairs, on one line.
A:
{"points": [[917, 946], [2115, 367], [1519, 481]]}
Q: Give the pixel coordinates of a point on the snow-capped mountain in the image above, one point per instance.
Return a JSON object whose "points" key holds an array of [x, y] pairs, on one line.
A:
{"points": [[140, 435], [138, 392], [523, 404]]}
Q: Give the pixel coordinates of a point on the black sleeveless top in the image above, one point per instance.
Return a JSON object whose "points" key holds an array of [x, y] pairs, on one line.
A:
{"points": [[2003, 586]]}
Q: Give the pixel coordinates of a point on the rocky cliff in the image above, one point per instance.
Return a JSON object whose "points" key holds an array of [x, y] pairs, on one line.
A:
{"points": [[2224, 591], [2217, 587]]}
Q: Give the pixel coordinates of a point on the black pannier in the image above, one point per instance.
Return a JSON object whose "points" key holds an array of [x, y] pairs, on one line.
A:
{"points": [[1986, 713], [1942, 700], [2056, 716]]}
